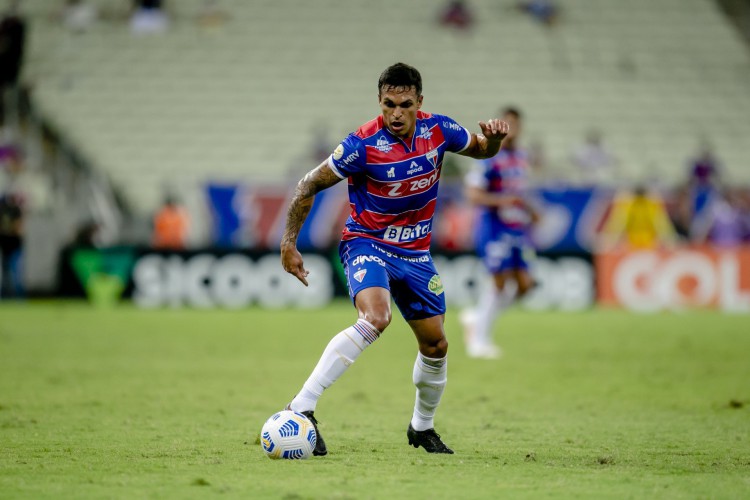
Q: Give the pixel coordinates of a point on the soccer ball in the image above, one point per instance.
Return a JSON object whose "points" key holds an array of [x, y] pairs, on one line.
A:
{"points": [[288, 434]]}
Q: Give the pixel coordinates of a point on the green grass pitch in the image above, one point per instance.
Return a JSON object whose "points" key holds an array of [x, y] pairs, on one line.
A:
{"points": [[126, 403]]}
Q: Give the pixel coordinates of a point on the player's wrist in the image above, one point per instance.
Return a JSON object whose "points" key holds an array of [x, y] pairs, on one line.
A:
{"points": [[288, 243]]}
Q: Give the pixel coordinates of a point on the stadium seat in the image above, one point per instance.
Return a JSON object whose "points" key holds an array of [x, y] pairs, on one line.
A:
{"points": [[239, 102]]}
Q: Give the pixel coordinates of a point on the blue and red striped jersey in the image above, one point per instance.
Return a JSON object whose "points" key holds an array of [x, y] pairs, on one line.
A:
{"points": [[506, 172], [393, 185]]}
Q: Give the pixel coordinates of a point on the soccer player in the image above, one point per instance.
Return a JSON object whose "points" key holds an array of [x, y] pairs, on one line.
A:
{"points": [[392, 165], [498, 186]]}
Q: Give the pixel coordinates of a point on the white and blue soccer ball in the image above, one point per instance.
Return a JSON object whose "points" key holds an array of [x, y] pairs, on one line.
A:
{"points": [[289, 435]]}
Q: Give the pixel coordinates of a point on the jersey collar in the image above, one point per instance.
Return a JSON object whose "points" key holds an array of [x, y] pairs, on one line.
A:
{"points": [[408, 148]]}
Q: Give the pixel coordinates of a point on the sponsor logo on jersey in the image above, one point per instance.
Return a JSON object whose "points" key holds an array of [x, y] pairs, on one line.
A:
{"points": [[421, 258], [353, 156], [408, 187], [361, 259], [360, 275], [406, 233], [432, 157], [383, 145], [452, 125], [391, 172], [414, 167], [435, 285], [338, 152], [424, 132]]}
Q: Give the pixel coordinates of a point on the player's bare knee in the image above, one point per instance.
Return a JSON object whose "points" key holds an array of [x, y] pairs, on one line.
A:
{"points": [[436, 349], [379, 319]]}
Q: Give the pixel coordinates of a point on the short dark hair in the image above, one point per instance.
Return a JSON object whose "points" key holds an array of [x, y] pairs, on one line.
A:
{"points": [[400, 75], [510, 110]]}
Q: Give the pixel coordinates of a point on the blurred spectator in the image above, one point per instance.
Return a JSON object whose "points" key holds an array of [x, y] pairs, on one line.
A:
{"points": [[703, 179], [680, 211], [87, 235], [12, 44], [11, 245], [639, 220], [545, 12], [537, 161], [148, 17], [722, 222], [453, 231], [457, 14], [211, 15], [743, 203], [704, 169], [171, 226], [319, 149], [78, 16], [594, 160], [12, 212], [321, 144]]}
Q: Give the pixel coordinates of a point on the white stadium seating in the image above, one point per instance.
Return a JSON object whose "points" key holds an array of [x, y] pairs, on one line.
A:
{"points": [[239, 103]]}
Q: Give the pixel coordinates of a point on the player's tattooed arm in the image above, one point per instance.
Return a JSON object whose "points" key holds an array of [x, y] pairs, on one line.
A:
{"points": [[487, 144], [316, 180]]}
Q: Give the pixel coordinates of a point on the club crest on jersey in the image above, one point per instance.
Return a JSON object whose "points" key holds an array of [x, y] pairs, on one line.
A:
{"points": [[424, 131], [360, 275], [435, 285], [383, 145], [432, 157], [338, 152]]}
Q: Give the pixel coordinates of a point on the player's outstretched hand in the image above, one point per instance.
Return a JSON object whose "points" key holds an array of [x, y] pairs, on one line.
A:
{"points": [[494, 129], [291, 260]]}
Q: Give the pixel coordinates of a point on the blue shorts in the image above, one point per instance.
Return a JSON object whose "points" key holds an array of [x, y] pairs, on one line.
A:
{"points": [[412, 281], [505, 251]]}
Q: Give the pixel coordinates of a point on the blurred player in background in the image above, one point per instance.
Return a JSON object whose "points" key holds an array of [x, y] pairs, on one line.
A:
{"points": [[392, 165], [498, 186], [638, 220]]}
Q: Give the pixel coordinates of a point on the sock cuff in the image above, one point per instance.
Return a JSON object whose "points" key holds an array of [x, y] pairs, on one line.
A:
{"points": [[432, 364], [368, 332]]}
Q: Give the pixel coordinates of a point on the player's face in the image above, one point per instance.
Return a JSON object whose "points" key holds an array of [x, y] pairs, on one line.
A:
{"points": [[515, 125], [399, 106]]}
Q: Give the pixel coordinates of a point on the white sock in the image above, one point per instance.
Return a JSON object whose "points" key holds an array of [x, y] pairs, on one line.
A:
{"points": [[430, 376], [491, 304], [341, 352]]}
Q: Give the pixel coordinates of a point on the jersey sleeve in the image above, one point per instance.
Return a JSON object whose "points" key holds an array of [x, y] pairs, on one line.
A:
{"points": [[348, 158], [457, 137], [477, 175]]}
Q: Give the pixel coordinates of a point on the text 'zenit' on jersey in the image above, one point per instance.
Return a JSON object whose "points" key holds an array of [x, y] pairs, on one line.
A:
{"points": [[393, 185]]}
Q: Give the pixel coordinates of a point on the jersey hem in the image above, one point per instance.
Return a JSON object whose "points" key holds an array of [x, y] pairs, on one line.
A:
{"points": [[468, 141]]}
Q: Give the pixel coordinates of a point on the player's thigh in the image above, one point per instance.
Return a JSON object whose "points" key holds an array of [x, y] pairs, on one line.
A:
{"points": [[418, 290], [364, 269], [368, 281]]}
